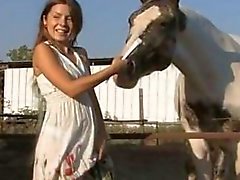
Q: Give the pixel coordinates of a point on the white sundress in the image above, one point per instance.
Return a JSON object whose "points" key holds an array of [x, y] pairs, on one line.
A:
{"points": [[65, 145]]}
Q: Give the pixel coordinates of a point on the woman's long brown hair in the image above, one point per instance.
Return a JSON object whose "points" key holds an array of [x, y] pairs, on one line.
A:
{"points": [[76, 15]]}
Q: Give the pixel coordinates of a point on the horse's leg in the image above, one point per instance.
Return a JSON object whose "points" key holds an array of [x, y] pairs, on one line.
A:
{"points": [[230, 155], [200, 149], [237, 162], [201, 159], [217, 158], [200, 154], [225, 164], [226, 167]]}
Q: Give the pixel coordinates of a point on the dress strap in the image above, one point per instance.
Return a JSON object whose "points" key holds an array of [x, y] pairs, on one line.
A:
{"points": [[81, 52]]}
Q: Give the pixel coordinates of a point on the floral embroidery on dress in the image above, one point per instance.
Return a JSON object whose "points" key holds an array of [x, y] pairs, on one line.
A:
{"points": [[69, 162]]}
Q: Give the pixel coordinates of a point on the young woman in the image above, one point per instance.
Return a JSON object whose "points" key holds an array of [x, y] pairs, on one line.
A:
{"points": [[72, 137]]}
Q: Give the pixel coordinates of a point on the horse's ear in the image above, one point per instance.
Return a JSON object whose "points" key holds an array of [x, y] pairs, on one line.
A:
{"points": [[143, 1], [175, 2], [182, 21]]}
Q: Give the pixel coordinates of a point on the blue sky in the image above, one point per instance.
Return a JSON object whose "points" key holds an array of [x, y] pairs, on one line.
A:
{"points": [[105, 22]]}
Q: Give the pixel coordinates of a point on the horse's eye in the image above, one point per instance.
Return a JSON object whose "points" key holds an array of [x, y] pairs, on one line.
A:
{"points": [[164, 24]]}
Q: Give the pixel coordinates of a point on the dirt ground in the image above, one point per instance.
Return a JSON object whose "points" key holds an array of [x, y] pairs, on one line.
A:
{"points": [[132, 162]]}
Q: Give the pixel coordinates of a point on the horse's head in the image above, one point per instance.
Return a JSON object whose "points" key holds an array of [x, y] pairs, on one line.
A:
{"points": [[155, 25]]}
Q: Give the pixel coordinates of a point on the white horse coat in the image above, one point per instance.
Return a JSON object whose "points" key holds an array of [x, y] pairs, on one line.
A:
{"points": [[209, 59], [210, 62]]}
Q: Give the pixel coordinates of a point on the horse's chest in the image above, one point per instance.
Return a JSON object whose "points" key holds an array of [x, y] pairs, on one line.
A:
{"points": [[206, 112], [209, 117], [231, 99], [223, 96]]}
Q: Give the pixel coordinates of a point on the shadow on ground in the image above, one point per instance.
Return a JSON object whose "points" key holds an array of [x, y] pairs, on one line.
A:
{"points": [[132, 162]]}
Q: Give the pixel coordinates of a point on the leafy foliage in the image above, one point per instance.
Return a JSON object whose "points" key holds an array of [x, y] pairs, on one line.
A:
{"points": [[23, 53]]}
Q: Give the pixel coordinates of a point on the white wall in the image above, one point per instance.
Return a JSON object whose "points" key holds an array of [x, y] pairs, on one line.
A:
{"points": [[158, 97], [122, 104], [18, 91]]}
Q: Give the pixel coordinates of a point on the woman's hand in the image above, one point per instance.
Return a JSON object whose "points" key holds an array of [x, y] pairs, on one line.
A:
{"points": [[118, 64]]}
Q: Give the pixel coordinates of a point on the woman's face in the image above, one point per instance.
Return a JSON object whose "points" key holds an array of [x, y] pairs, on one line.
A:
{"points": [[59, 23]]}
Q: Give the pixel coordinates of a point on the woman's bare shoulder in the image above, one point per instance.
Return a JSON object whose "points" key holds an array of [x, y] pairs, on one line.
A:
{"points": [[41, 47], [43, 56], [43, 52], [38, 51]]}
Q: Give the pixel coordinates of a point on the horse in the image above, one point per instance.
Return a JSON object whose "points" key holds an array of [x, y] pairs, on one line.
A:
{"points": [[162, 32]]}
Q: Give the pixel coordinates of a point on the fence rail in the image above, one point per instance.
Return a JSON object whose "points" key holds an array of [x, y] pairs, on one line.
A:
{"points": [[158, 136], [23, 118], [28, 64]]}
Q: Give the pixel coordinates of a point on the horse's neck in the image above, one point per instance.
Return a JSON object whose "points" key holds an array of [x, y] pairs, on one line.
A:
{"points": [[204, 54]]}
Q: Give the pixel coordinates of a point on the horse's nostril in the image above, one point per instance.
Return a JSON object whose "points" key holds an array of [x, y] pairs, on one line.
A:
{"points": [[131, 66]]}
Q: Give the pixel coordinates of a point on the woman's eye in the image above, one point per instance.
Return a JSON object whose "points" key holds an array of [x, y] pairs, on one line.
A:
{"points": [[56, 17], [69, 18]]}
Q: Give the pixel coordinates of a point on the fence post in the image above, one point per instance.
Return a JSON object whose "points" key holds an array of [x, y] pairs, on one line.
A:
{"points": [[157, 131], [2, 68], [141, 109]]}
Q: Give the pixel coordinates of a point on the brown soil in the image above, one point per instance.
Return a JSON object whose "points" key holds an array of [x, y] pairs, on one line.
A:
{"points": [[132, 162]]}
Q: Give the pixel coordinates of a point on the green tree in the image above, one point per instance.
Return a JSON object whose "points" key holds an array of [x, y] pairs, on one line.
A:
{"points": [[23, 53]]}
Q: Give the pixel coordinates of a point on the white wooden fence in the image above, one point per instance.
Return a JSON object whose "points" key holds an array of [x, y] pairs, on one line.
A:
{"points": [[116, 103]]}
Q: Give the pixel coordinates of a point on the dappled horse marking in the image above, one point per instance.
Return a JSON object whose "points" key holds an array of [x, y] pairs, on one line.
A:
{"points": [[156, 23], [209, 85]]}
